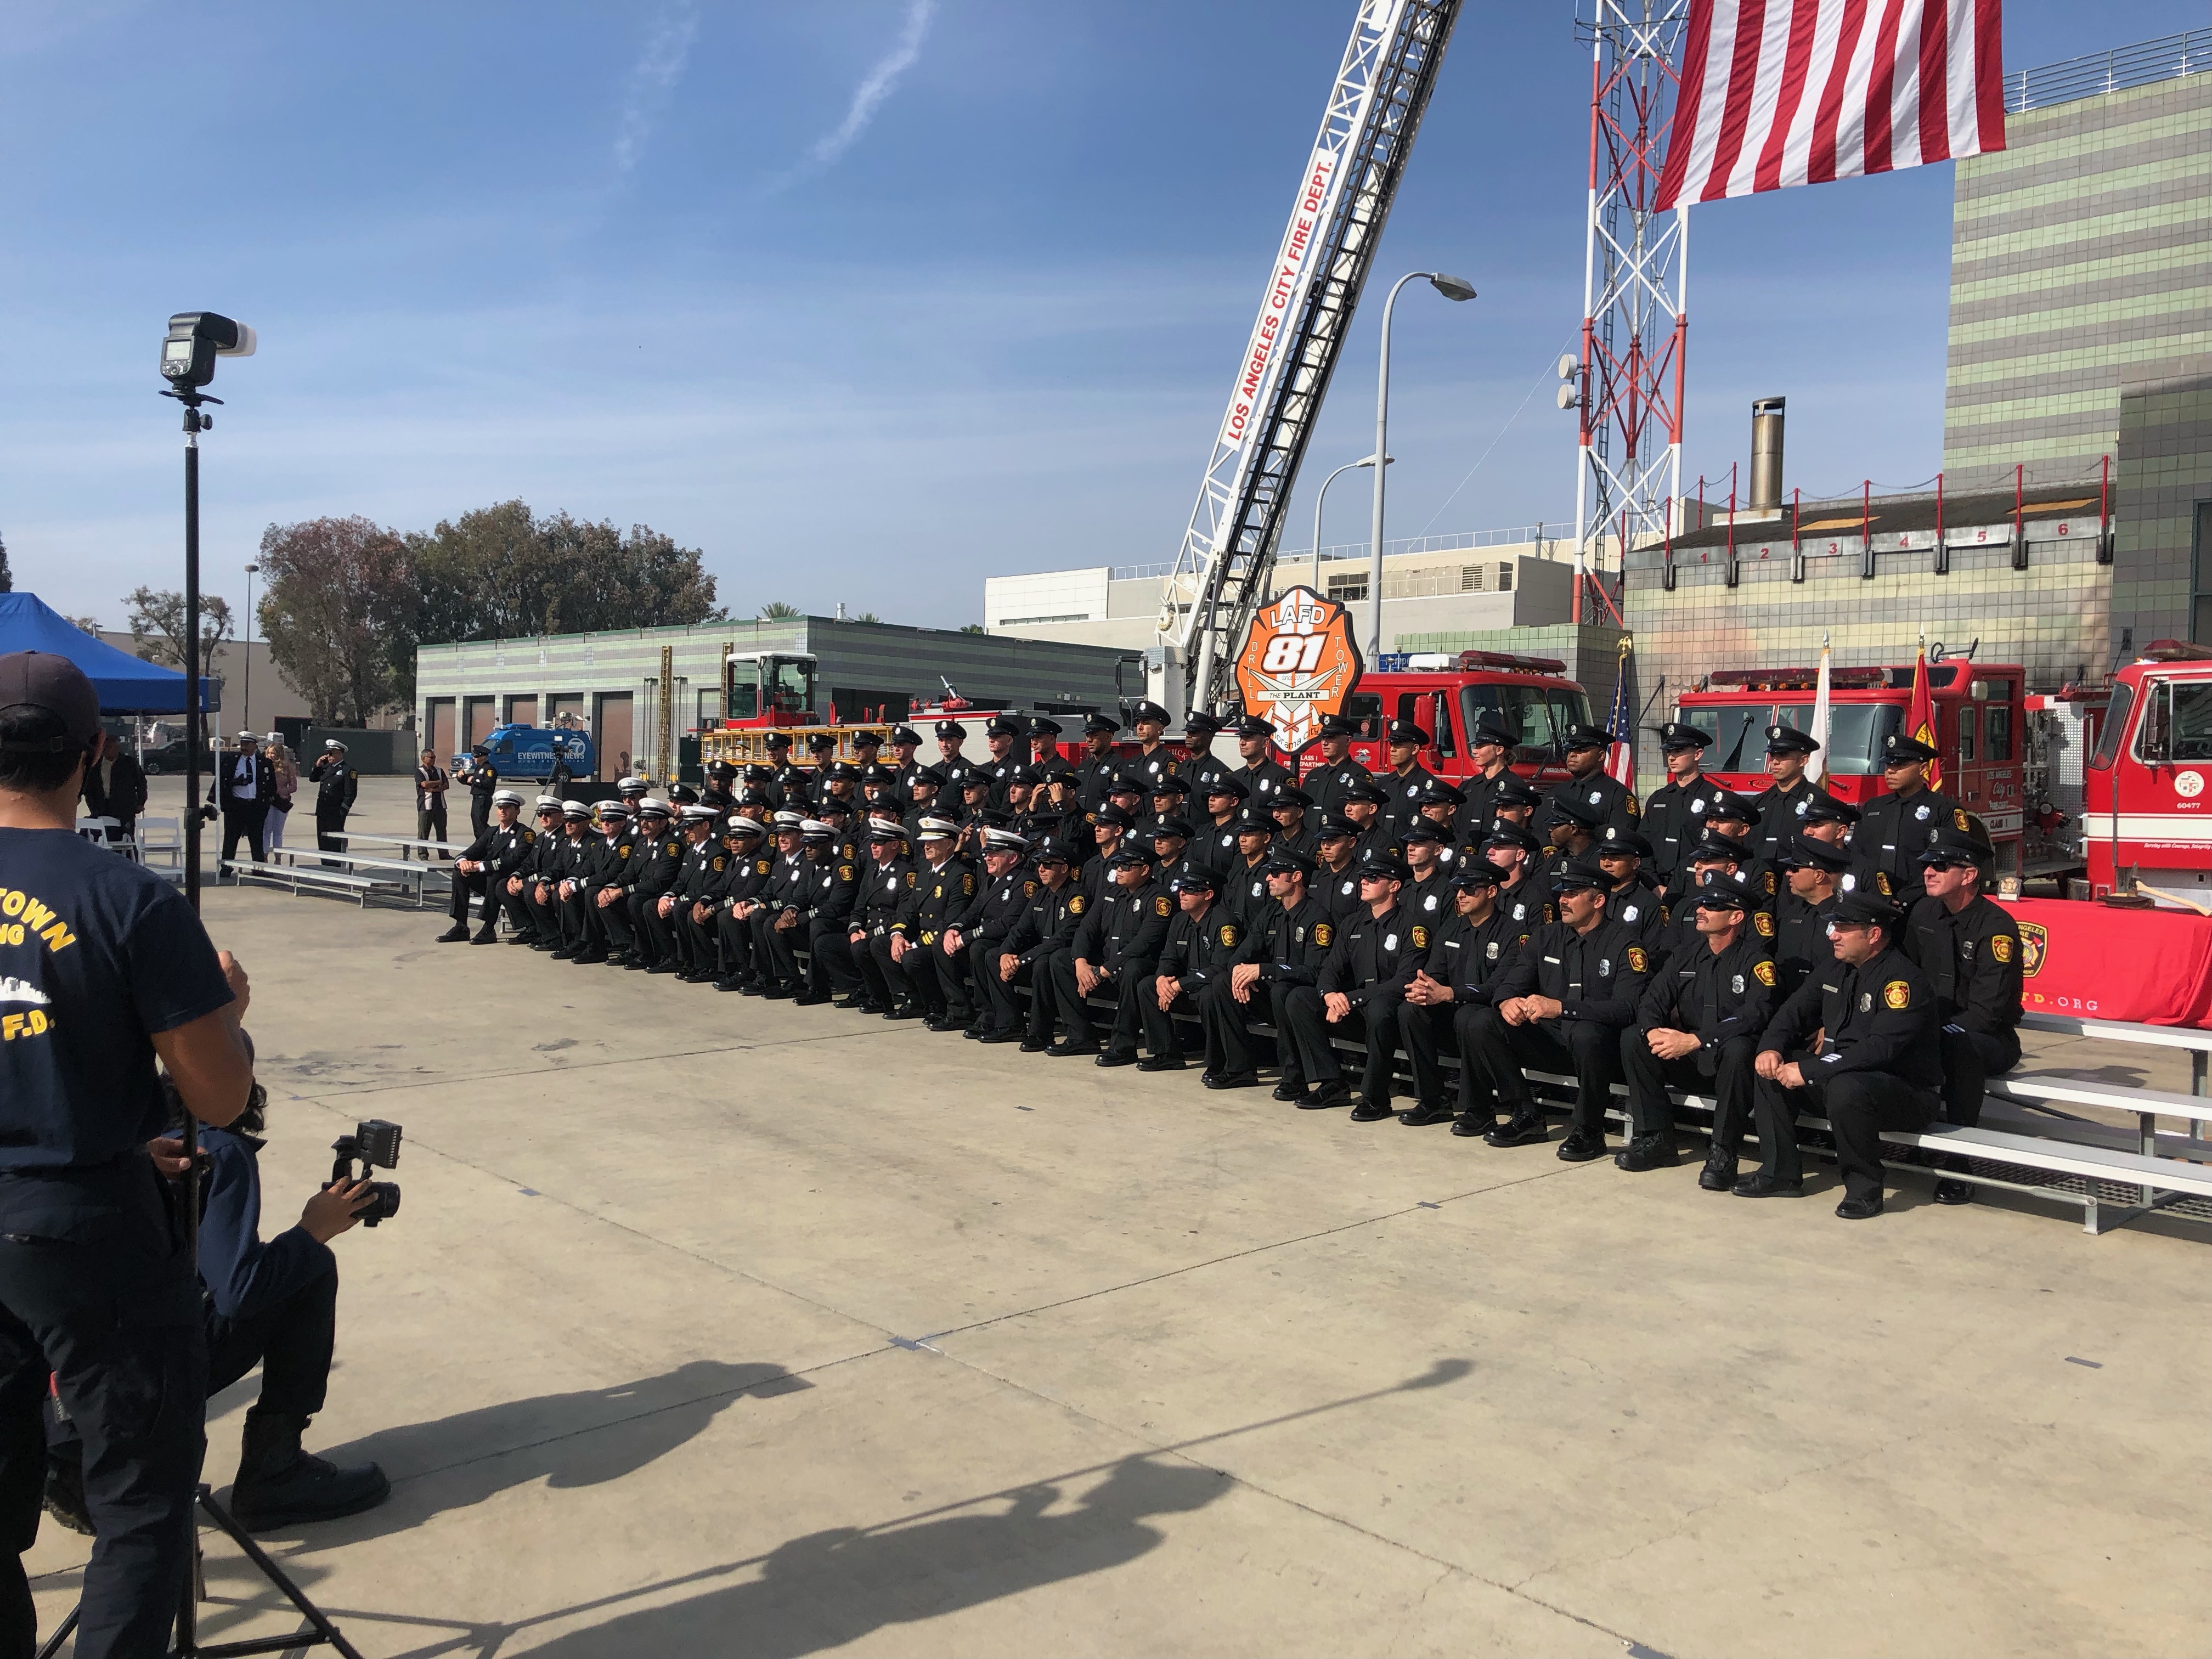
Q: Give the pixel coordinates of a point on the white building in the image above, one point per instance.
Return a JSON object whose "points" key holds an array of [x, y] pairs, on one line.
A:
{"points": [[1471, 583]]}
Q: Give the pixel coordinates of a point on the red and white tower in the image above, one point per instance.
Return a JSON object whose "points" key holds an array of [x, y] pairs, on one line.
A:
{"points": [[1628, 385]]}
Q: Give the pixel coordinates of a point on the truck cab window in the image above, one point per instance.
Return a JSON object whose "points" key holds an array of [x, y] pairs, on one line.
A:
{"points": [[2115, 729], [2190, 720]]}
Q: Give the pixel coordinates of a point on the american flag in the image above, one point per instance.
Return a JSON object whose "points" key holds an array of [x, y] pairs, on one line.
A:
{"points": [[1620, 758]]}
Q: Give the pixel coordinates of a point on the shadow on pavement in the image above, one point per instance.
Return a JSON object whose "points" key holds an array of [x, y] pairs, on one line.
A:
{"points": [[568, 1440], [831, 1588]]}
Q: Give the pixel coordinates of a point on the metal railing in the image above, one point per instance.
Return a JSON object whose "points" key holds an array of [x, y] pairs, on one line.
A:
{"points": [[1526, 535], [2138, 65]]}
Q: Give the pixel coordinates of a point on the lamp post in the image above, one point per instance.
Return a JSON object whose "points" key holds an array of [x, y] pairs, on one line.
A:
{"points": [[251, 571], [1365, 460], [1452, 288]]}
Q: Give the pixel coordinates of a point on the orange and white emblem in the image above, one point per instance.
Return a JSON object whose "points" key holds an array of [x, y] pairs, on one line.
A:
{"points": [[1298, 664]]}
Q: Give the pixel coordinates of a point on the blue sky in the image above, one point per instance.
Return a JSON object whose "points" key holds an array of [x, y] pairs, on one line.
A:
{"points": [[868, 298]]}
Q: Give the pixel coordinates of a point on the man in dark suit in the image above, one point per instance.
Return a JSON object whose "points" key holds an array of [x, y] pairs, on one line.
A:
{"points": [[115, 787], [243, 786]]}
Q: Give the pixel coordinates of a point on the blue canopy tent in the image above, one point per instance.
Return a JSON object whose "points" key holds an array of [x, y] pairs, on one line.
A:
{"points": [[126, 685]]}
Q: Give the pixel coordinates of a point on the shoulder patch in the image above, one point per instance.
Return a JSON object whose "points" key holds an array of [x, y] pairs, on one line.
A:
{"points": [[1960, 818], [529, 835], [968, 886], [1770, 883], [1160, 905], [1323, 932], [910, 878], [760, 866], [1633, 809], [1897, 995], [1762, 924], [1029, 889], [1421, 938], [719, 862], [1763, 971], [1881, 881], [2001, 947], [844, 872], [1075, 905], [1228, 935], [1638, 962]]}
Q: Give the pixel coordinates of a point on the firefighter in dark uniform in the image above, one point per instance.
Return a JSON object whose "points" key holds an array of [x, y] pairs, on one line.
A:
{"points": [[1698, 1029], [1200, 947], [1674, 813], [1585, 748], [573, 859], [1337, 771], [1562, 1008], [541, 875], [794, 783], [1007, 736], [705, 863], [1118, 941], [337, 784], [944, 885], [1043, 890], [1170, 798], [922, 792], [1360, 992], [1782, 805], [1244, 885], [1736, 819], [1002, 899], [610, 897], [1217, 840], [890, 877], [833, 888], [1636, 902], [1045, 759], [1425, 897], [1468, 958], [1513, 851], [1334, 881], [1895, 829], [1878, 1065], [1361, 807], [484, 868], [1102, 765], [1440, 805], [600, 890], [776, 914], [1813, 871], [1197, 766], [1831, 822], [1715, 857], [1154, 759], [1169, 846], [1262, 776], [1284, 946], [1970, 949], [744, 880], [1406, 782], [1296, 821], [905, 741], [1491, 748], [660, 856], [483, 778]]}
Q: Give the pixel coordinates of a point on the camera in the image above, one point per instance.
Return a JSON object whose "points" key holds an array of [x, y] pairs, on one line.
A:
{"points": [[374, 1144], [195, 340]]}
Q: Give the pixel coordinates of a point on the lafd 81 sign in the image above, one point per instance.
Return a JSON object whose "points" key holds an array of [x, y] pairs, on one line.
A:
{"points": [[1298, 664]]}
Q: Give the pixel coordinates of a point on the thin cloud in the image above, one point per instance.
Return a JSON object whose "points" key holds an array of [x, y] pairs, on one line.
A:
{"points": [[882, 81], [652, 78]]}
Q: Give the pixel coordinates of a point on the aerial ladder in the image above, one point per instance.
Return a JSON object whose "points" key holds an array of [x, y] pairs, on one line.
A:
{"points": [[1220, 575]]}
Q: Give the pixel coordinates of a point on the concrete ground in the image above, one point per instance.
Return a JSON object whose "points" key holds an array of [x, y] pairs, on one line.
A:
{"points": [[716, 1326]]}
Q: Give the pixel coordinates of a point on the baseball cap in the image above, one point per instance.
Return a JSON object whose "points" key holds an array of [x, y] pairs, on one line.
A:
{"points": [[43, 679]]}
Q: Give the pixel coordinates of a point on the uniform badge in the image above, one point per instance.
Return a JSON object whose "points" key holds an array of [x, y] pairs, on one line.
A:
{"points": [[1430, 904], [1897, 995], [1346, 887], [1160, 905], [1075, 905], [2001, 947], [1605, 967], [1390, 941], [1228, 933], [1850, 882], [1735, 983], [1632, 912], [1762, 924], [1800, 808], [938, 891], [1763, 971], [1322, 932], [1490, 951], [1297, 936], [1921, 812], [1412, 790], [1696, 806], [1420, 939], [1866, 1002], [1598, 797]]}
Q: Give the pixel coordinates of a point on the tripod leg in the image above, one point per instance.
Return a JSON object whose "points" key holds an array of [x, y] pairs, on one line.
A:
{"points": [[324, 1629], [53, 1643]]}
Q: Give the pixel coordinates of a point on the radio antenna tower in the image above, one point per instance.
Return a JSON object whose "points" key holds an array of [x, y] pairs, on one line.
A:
{"points": [[1628, 470]]}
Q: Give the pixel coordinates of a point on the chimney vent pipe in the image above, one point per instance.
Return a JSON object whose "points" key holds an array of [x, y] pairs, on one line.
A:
{"points": [[1766, 455]]}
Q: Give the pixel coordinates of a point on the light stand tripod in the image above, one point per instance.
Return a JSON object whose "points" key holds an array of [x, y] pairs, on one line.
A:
{"points": [[320, 1630]]}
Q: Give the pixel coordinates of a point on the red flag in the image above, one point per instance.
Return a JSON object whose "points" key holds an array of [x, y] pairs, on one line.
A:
{"points": [[1920, 718]]}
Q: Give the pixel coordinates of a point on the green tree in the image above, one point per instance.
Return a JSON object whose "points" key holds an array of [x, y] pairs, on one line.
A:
{"points": [[339, 589], [157, 626], [972, 627], [82, 624], [777, 610], [7, 576]]}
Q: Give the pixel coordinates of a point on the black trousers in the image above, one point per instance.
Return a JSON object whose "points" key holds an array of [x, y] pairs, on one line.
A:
{"points": [[997, 1006], [1858, 1105], [1970, 1060], [696, 944], [479, 815], [614, 921], [95, 1288], [1723, 1073], [1377, 1022], [519, 915], [881, 981], [427, 818], [952, 982], [1229, 1026], [830, 968], [1583, 1047], [466, 887], [1162, 1034], [249, 821], [330, 826], [544, 915], [774, 946], [655, 941], [1075, 1008]]}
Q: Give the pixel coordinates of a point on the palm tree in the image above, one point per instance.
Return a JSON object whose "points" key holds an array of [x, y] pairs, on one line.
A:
{"points": [[777, 610]]}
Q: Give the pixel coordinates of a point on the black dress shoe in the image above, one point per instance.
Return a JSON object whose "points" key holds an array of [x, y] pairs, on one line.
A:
{"points": [[810, 999], [1160, 1063], [1035, 1046], [1647, 1153], [1291, 1091], [1760, 1184], [1372, 1111], [1066, 1050], [938, 1022], [1950, 1191], [617, 958], [1002, 1036], [1111, 1057], [1858, 1209], [1326, 1097], [558, 952], [1581, 1146], [638, 965], [488, 937], [590, 958], [457, 934], [906, 1011], [1232, 1079], [1474, 1123], [1521, 1129], [1421, 1116], [974, 1033], [729, 985], [665, 967], [1718, 1175]]}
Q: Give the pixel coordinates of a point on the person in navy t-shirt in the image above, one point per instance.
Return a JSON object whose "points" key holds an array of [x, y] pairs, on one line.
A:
{"points": [[104, 969]]}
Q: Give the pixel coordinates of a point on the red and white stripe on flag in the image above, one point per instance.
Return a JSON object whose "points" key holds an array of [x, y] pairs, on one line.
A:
{"points": [[1776, 92]]}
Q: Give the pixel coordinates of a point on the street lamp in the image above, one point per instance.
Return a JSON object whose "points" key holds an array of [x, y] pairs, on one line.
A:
{"points": [[1452, 288], [251, 571], [1365, 460]]}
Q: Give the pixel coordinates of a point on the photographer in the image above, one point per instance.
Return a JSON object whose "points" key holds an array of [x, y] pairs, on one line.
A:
{"points": [[103, 970], [272, 1305]]}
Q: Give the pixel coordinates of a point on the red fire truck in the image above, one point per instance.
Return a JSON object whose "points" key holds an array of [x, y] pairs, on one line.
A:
{"points": [[1447, 693], [2146, 822]]}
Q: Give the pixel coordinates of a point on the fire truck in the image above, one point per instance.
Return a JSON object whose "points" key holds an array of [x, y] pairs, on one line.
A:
{"points": [[1446, 694], [2146, 822]]}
